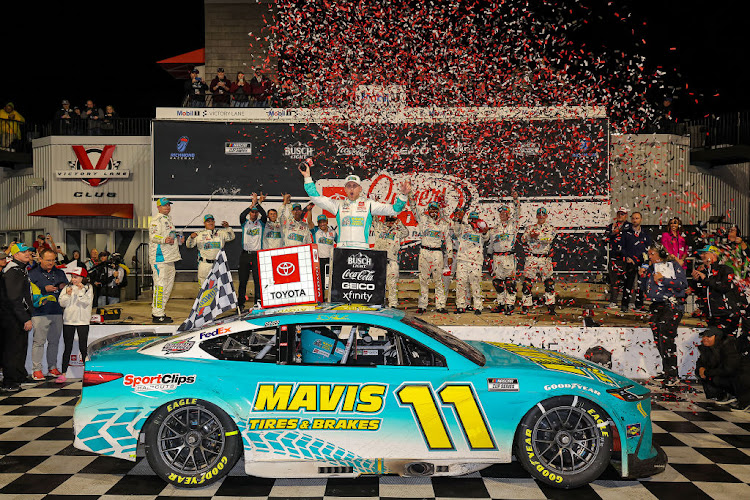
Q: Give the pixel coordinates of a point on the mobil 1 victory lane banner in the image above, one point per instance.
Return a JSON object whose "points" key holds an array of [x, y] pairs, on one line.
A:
{"points": [[560, 164], [358, 276]]}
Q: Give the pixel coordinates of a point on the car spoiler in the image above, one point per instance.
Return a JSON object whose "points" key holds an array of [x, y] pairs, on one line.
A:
{"points": [[118, 337]]}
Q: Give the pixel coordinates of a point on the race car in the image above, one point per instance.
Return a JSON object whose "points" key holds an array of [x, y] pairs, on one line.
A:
{"points": [[339, 391]]}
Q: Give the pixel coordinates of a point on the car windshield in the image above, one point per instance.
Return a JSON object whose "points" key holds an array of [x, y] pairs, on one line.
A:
{"points": [[453, 343]]}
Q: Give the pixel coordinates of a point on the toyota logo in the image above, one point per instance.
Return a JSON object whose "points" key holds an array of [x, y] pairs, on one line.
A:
{"points": [[285, 269]]}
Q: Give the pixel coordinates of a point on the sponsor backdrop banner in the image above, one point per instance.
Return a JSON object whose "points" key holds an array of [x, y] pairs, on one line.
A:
{"points": [[357, 276], [474, 165]]}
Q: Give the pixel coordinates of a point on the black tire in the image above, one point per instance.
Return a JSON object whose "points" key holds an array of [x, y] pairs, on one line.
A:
{"points": [[191, 443], [564, 441]]}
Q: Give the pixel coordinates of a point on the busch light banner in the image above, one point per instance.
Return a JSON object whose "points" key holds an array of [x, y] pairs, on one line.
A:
{"points": [[358, 276]]}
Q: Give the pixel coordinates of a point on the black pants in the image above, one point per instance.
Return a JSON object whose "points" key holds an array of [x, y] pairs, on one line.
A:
{"points": [[616, 276], [727, 324], [15, 344], [69, 332], [718, 386], [248, 264], [665, 317], [325, 267], [631, 281]]}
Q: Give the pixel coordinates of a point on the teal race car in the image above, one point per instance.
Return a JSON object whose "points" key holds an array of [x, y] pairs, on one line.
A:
{"points": [[340, 391]]}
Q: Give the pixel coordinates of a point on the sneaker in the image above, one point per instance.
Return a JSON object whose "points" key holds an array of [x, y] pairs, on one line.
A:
{"points": [[524, 310], [54, 373], [671, 381], [640, 311], [61, 379], [477, 312], [37, 375], [460, 310], [441, 310], [469, 308], [726, 399], [659, 378], [161, 319], [508, 310], [736, 407], [612, 305], [623, 310], [498, 309], [551, 310], [420, 311], [11, 388]]}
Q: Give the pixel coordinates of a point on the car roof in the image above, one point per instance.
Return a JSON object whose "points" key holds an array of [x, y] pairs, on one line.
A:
{"points": [[326, 307]]}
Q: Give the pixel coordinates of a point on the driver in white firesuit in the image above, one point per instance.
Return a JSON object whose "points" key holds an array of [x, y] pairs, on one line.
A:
{"points": [[435, 233], [209, 242], [353, 214], [471, 240], [163, 252], [388, 236], [502, 240], [539, 238], [272, 232], [295, 231]]}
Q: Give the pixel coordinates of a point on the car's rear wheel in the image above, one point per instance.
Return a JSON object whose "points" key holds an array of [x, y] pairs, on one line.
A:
{"points": [[191, 443], [564, 441]]}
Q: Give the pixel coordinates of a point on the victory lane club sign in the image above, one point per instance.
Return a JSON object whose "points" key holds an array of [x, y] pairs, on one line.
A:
{"points": [[358, 276]]}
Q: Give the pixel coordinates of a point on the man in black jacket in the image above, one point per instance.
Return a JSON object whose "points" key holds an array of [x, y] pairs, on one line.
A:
{"points": [[724, 373], [16, 304], [614, 237], [714, 283]]}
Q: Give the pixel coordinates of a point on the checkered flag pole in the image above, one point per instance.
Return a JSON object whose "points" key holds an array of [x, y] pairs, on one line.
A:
{"points": [[216, 296]]}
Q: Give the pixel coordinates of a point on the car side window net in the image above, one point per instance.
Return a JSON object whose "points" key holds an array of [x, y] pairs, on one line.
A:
{"points": [[259, 346]]}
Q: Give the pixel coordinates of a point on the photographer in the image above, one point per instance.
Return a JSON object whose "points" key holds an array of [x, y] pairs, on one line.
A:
{"points": [[725, 375], [108, 277], [195, 90]]}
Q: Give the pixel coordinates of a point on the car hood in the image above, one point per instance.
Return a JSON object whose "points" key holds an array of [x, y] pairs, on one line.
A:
{"points": [[502, 355]]}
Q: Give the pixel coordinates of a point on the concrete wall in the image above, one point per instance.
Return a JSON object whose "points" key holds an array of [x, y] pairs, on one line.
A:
{"points": [[238, 36]]}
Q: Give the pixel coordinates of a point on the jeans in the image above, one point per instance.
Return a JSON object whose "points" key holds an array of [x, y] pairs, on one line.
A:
{"points": [[47, 330]]}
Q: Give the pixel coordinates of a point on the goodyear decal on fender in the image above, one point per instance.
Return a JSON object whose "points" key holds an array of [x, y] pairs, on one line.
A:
{"points": [[557, 361]]}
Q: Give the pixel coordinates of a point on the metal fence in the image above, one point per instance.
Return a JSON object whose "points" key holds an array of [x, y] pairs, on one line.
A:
{"points": [[106, 126], [722, 130]]}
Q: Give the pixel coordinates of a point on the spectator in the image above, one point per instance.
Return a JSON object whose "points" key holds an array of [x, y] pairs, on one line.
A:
{"points": [[41, 242], [16, 307], [76, 299], [60, 257], [93, 117], [240, 91], [260, 88], [10, 126], [109, 120], [725, 375], [664, 283], [195, 90], [220, 88], [613, 235], [715, 283], [76, 259], [93, 259], [65, 119], [635, 243], [108, 277], [47, 315], [674, 242]]}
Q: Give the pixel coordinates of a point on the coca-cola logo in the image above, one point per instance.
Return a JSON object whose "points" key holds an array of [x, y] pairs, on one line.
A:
{"points": [[352, 151], [363, 275]]}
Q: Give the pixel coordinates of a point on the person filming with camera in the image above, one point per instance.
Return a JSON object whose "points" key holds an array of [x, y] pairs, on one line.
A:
{"points": [[108, 277]]}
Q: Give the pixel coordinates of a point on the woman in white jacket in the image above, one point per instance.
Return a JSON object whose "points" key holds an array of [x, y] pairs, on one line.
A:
{"points": [[76, 299]]}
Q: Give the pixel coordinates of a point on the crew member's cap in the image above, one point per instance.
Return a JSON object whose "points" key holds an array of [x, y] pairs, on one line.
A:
{"points": [[79, 271], [433, 204], [163, 201], [623, 210], [710, 331], [3, 255], [322, 217], [541, 211], [220, 70], [504, 208], [710, 248], [65, 101], [194, 70], [473, 215], [296, 206], [18, 247], [208, 217], [353, 178], [255, 208]]}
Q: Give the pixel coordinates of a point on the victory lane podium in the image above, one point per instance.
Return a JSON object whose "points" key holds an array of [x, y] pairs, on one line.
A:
{"points": [[358, 276]]}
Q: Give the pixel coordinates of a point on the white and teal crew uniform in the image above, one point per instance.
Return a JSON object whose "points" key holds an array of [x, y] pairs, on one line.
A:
{"points": [[162, 256], [353, 218]]}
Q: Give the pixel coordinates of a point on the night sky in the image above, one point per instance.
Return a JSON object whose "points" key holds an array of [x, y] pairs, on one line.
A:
{"points": [[94, 50]]}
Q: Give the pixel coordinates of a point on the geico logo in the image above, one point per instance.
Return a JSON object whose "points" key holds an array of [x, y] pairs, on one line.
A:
{"points": [[367, 398], [357, 286], [169, 378]]}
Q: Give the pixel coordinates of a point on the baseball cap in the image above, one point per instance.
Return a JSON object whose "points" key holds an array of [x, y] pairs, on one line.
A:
{"points": [[322, 217], [710, 331], [541, 211], [504, 208], [254, 208], [296, 206], [353, 178], [163, 201], [195, 70], [433, 204], [65, 101], [18, 247], [207, 216], [79, 271], [623, 210], [473, 215], [220, 70], [710, 248]]}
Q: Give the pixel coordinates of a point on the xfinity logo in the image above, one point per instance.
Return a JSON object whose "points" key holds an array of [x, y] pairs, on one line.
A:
{"points": [[285, 269]]}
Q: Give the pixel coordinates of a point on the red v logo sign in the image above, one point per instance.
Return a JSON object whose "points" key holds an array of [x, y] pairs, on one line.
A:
{"points": [[85, 161]]}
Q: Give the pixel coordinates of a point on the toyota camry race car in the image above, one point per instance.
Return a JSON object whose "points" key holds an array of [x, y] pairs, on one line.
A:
{"points": [[330, 390]]}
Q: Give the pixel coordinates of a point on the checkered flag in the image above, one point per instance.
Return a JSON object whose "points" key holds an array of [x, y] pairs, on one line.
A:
{"points": [[216, 296]]}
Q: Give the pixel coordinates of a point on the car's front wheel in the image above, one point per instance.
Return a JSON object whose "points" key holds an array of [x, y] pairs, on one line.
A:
{"points": [[564, 441], [191, 443]]}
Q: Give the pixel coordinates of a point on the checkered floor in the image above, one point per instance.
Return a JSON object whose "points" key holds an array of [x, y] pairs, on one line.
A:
{"points": [[708, 449]]}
